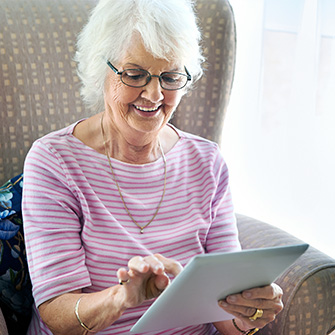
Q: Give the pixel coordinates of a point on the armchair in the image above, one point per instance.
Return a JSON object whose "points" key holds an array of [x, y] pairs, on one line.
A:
{"points": [[39, 93]]}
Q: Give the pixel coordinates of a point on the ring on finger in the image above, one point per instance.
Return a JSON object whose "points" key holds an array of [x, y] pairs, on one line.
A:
{"points": [[258, 314], [122, 282]]}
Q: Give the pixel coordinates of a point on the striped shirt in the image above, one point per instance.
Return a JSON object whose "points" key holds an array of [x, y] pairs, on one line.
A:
{"points": [[78, 233]]}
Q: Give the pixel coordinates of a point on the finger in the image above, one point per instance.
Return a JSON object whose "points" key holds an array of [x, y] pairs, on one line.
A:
{"points": [[122, 275], [162, 281], [244, 313], [146, 264], [256, 296], [143, 265], [155, 265], [171, 266], [138, 264], [258, 323], [275, 305], [272, 291]]}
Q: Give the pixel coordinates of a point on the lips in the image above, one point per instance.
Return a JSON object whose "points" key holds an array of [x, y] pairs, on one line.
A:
{"points": [[147, 109]]}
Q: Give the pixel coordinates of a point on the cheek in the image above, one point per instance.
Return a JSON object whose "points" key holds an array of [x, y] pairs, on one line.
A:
{"points": [[173, 99], [117, 94]]}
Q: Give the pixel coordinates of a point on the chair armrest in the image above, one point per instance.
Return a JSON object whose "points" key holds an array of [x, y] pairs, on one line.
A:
{"points": [[3, 327], [308, 285]]}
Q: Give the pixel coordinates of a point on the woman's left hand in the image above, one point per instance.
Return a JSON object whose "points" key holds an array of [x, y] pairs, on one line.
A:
{"points": [[244, 305]]}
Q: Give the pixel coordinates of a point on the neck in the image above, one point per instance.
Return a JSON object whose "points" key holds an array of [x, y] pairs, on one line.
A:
{"points": [[130, 150]]}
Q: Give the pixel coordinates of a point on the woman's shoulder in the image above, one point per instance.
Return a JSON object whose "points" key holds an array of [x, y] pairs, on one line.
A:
{"points": [[194, 140], [55, 147], [62, 136], [193, 149]]}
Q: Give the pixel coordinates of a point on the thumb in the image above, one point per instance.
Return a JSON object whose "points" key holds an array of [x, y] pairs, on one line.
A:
{"points": [[162, 281], [156, 285]]}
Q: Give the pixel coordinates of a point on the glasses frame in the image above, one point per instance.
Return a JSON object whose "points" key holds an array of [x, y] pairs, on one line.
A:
{"points": [[150, 76]]}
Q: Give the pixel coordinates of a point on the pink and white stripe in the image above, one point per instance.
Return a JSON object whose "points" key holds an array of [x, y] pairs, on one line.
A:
{"points": [[78, 233]]}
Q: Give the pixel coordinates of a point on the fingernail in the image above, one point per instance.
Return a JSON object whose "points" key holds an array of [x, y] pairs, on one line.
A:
{"points": [[223, 303], [247, 294], [232, 298]]}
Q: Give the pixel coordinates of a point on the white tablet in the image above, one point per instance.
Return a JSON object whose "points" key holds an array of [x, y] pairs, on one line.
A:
{"points": [[192, 297]]}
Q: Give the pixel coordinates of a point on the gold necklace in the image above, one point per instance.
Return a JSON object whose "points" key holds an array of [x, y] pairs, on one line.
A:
{"points": [[119, 189]]}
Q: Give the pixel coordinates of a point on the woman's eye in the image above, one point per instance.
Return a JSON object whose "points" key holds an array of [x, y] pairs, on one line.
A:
{"points": [[171, 78], [135, 75]]}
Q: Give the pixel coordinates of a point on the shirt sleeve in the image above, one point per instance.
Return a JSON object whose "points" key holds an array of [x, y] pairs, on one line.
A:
{"points": [[222, 235], [52, 226]]}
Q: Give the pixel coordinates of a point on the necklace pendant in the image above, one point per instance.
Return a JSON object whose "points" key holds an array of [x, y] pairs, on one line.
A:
{"points": [[142, 231]]}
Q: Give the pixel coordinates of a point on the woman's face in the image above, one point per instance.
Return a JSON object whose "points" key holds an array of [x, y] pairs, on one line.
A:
{"points": [[138, 112]]}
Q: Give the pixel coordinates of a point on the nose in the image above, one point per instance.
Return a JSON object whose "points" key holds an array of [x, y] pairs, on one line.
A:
{"points": [[153, 90]]}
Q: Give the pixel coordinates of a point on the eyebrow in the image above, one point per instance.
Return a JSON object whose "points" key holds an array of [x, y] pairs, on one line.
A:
{"points": [[132, 64], [139, 66]]}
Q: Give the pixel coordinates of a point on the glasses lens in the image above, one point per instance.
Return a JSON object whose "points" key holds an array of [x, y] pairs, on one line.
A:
{"points": [[135, 77], [173, 80]]}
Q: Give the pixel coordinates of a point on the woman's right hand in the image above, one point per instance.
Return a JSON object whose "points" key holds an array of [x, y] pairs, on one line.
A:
{"points": [[146, 278]]}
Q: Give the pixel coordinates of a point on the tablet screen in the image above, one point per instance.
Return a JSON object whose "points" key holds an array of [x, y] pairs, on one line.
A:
{"points": [[192, 297]]}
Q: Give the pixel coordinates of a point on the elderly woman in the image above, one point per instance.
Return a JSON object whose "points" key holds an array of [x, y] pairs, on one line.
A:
{"points": [[116, 204]]}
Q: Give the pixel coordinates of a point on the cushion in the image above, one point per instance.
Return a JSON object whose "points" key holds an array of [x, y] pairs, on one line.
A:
{"points": [[15, 286]]}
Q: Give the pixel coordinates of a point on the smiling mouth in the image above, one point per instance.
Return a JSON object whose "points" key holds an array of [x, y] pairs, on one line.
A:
{"points": [[148, 110]]}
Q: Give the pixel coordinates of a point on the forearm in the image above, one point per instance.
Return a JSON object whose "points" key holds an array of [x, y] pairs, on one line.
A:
{"points": [[96, 310]]}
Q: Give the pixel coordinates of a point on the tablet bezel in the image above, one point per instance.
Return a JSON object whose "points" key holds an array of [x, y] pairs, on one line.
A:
{"points": [[192, 297]]}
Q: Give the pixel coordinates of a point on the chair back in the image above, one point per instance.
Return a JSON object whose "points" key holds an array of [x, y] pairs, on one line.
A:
{"points": [[39, 86]]}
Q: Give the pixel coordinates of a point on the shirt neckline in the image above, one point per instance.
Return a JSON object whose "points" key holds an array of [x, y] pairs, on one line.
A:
{"points": [[103, 157]]}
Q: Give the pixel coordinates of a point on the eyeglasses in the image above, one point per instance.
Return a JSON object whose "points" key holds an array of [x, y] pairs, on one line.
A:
{"points": [[170, 81]]}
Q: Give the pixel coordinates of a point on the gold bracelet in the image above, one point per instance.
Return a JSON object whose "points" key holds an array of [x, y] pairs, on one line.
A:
{"points": [[245, 332], [78, 317]]}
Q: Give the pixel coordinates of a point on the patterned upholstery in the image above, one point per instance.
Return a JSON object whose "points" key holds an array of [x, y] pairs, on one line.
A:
{"points": [[39, 92], [40, 89], [309, 284], [202, 112], [39, 86]]}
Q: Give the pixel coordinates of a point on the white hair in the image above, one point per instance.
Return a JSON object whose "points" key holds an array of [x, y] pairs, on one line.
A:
{"points": [[168, 29]]}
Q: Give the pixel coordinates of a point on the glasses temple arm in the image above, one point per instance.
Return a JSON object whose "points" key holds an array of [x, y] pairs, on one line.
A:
{"points": [[113, 67], [189, 77]]}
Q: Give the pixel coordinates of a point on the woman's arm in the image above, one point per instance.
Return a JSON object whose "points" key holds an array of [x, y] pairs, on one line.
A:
{"points": [[144, 279], [96, 310]]}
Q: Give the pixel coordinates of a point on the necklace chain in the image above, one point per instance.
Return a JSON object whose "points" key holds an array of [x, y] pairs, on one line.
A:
{"points": [[118, 186]]}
